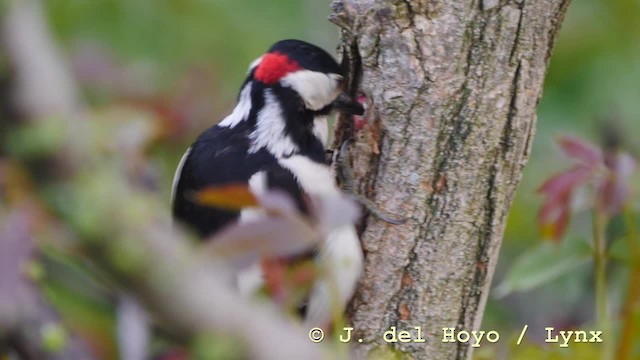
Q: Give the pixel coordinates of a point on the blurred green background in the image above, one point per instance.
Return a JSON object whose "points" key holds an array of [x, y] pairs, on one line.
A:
{"points": [[184, 60]]}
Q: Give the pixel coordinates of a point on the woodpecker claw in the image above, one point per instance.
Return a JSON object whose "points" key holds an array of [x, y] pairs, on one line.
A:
{"points": [[343, 147], [347, 183], [379, 213]]}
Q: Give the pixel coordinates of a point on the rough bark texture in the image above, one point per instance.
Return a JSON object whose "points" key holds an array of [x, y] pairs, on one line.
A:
{"points": [[454, 87]]}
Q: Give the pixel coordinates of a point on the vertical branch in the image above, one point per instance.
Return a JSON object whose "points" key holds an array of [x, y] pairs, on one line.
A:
{"points": [[632, 301], [600, 269], [453, 87]]}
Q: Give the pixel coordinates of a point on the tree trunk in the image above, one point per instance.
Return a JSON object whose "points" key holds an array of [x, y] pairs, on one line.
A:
{"points": [[453, 87]]}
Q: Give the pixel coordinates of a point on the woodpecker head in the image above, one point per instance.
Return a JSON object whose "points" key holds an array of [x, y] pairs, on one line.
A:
{"points": [[286, 98], [309, 71]]}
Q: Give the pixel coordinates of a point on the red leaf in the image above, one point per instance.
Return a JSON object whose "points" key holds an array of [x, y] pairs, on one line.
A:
{"points": [[554, 216], [581, 150], [561, 222], [566, 181], [555, 212]]}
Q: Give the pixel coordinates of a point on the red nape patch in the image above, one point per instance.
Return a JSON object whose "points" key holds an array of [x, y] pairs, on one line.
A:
{"points": [[273, 67]]}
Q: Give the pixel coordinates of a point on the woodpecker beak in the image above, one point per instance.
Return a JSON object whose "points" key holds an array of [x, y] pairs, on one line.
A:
{"points": [[348, 105]]}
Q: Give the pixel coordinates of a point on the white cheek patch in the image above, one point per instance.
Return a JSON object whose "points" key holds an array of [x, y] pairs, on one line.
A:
{"points": [[316, 89]]}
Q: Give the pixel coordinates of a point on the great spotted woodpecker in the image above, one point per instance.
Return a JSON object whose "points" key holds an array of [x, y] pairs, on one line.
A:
{"points": [[275, 138]]}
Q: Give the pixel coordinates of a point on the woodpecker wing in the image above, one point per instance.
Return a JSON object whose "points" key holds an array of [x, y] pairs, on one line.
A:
{"points": [[220, 156]]}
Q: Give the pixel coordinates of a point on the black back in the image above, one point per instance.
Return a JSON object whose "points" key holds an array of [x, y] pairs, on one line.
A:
{"points": [[221, 155]]}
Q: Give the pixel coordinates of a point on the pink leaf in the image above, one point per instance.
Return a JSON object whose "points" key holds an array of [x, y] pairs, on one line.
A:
{"points": [[581, 150], [553, 216], [625, 166], [566, 181], [614, 190], [551, 208], [555, 212], [561, 223]]}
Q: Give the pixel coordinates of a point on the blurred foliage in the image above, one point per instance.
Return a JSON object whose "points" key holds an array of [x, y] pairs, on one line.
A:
{"points": [[170, 36], [183, 60], [606, 175], [591, 90], [543, 263], [173, 67]]}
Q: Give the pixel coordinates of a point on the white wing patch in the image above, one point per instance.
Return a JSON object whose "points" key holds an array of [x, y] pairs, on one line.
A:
{"points": [[176, 176], [241, 111], [270, 130], [316, 89]]}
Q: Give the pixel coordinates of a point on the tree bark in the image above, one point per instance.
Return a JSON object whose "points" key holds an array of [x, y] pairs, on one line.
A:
{"points": [[453, 87]]}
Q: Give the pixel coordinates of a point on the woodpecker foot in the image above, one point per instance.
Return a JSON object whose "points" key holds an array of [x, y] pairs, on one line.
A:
{"points": [[347, 183]]}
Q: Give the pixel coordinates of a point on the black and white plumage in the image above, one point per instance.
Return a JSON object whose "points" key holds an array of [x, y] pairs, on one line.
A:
{"points": [[275, 138]]}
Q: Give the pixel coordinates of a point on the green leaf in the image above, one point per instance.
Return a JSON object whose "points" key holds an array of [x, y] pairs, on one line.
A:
{"points": [[34, 270], [619, 251], [54, 338], [542, 264], [216, 346], [38, 139], [530, 351]]}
